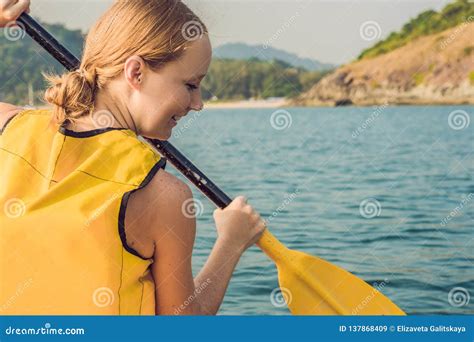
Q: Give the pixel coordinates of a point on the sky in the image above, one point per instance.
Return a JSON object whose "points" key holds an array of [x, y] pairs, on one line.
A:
{"points": [[330, 31]]}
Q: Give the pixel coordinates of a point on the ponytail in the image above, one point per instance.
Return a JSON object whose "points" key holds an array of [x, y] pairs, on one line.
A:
{"points": [[72, 94]]}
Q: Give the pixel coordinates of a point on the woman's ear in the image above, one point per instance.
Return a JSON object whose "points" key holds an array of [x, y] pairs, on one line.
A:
{"points": [[134, 71]]}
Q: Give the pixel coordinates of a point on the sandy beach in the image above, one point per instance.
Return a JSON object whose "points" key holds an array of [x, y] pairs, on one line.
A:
{"points": [[270, 103]]}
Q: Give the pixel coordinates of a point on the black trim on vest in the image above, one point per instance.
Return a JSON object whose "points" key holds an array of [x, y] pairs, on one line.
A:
{"points": [[87, 134], [123, 206], [6, 123]]}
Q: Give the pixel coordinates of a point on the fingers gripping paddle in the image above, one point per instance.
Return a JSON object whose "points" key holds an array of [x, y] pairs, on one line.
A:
{"points": [[310, 285]]}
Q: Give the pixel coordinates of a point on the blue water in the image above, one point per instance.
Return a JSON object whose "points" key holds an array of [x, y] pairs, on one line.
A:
{"points": [[409, 160]]}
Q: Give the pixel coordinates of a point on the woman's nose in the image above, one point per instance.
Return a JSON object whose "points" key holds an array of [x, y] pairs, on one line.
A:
{"points": [[197, 104]]}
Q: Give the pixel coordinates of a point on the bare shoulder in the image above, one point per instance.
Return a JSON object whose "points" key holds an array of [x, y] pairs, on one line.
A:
{"points": [[7, 111], [6, 107], [165, 191], [165, 183], [155, 210]]}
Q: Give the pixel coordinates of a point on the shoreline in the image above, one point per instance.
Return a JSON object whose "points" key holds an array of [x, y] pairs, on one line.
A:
{"points": [[274, 103], [287, 104], [248, 104]]}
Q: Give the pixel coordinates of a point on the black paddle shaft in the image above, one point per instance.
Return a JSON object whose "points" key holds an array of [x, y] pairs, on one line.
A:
{"points": [[166, 149]]}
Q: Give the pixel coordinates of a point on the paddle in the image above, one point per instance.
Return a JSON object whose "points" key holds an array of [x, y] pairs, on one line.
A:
{"points": [[309, 285]]}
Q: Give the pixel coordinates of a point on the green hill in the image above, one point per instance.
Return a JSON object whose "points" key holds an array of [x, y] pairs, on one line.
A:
{"points": [[232, 79], [424, 24]]}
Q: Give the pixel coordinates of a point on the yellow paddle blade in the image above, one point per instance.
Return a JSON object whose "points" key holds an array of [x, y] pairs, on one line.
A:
{"points": [[312, 286]]}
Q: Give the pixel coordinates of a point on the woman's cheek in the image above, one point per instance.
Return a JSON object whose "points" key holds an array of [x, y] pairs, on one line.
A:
{"points": [[183, 101]]}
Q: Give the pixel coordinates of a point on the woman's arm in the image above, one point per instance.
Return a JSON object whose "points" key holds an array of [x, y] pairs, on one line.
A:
{"points": [[176, 291], [212, 281], [173, 232]]}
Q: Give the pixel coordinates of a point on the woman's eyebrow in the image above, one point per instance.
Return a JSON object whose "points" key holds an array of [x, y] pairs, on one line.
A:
{"points": [[200, 77]]}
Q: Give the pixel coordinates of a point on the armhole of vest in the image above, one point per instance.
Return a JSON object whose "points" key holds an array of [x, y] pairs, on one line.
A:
{"points": [[123, 206], [2, 130]]}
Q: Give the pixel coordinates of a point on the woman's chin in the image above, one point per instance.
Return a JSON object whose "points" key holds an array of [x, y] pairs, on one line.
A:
{"points": [[163, 136]]}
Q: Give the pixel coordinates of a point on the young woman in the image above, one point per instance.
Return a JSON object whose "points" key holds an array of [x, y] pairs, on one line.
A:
{"points": [[92, 224]]}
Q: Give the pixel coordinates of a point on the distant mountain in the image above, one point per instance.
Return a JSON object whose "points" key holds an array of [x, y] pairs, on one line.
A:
{"points": [[267, 53], [239, 79]]}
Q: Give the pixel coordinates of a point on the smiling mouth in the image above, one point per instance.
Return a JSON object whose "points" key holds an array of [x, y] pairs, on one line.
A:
{"points": [[176, 118]]}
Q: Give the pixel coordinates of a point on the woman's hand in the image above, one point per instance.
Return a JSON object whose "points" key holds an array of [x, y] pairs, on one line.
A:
{"points": [[10, 10], [239, 226]]}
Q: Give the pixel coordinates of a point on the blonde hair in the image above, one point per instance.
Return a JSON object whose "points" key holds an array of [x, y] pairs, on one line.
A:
{"points": [[156, 30]]}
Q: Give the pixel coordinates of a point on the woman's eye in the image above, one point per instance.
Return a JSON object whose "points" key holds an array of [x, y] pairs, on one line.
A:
{"points": [[191, 86]]}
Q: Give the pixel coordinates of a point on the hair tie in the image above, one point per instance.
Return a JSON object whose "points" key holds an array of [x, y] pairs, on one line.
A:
{"points": [[81, 73]]}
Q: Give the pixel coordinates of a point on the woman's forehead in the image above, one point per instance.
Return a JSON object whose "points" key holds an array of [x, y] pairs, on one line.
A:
{"points": [[197, 57]]}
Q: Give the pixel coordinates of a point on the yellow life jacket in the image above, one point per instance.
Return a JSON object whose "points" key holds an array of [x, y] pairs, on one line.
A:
{"points": [[63, 197]]}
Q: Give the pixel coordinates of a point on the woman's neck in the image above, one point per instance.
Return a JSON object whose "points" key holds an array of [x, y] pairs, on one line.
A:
{"points": [[108, 112]]}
